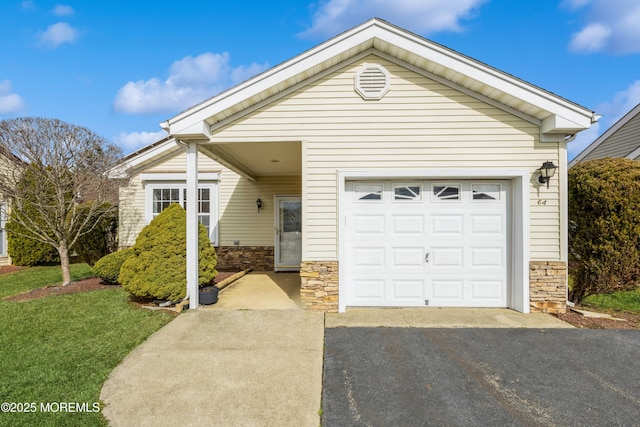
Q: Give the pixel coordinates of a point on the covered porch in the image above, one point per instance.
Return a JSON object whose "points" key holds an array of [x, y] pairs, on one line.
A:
{"points": [[268, 196]]}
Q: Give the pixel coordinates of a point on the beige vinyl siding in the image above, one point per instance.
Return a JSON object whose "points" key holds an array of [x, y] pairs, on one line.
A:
{"points": [[238, 217], [624, 141], [4, 257], [418, 124]]}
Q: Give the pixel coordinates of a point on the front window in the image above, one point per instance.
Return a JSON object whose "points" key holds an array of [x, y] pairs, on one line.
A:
{"points": [[162, 195]]}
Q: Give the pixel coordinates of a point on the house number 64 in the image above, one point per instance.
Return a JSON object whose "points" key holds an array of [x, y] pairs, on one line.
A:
{"points": [[542, 202]]}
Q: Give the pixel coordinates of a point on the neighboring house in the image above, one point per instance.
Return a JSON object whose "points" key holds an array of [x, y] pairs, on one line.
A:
{"points": [[620, 140], [7, 163], [4, 256], [391, 171]]}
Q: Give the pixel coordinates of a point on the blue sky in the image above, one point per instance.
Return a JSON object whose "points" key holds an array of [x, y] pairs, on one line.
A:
{"points": [[121, 67]]}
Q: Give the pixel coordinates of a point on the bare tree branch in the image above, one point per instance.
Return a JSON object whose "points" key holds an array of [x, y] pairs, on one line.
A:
{"points": [[48, 169]]}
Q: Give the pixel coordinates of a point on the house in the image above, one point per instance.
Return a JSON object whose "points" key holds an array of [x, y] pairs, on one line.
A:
{"points": [[389, 170], [620, 140], [7, 167]]}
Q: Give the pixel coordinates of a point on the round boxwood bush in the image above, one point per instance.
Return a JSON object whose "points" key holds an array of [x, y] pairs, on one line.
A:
{"points": [[604, 227], [158, 266], [108, 267]]}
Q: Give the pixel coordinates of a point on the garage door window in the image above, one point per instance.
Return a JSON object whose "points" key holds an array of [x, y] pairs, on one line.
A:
{"points": [[411, 192], [445, 192], [485, 191], [366, 192]]}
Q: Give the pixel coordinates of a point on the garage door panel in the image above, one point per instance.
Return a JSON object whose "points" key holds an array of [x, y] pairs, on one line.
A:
{"points": [[486, 289], [487, 224], [407, 257], [408, 290], [452, 290], [369, 289], [407, 225], [369, 225], [369, 257], [447, 225], [487, 257], [447, 257]]}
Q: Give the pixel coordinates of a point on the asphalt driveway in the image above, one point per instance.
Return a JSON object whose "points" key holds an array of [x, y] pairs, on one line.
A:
{"points": [[458, 377]]}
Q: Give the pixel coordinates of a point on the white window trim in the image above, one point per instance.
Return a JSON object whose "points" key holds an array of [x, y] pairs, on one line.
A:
{"points": [[212, 185]]}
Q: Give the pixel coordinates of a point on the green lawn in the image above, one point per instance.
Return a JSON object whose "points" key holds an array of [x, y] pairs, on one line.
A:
{"points": [[620, 301], [62, 348], [38, 277]]}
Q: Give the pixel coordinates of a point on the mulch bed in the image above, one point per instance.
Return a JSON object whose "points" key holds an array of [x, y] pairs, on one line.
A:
{"points": [[580, 321], [86, 285]]}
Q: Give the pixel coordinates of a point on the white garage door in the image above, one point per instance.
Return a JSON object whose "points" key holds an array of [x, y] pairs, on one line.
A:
{"points": [[426, 243]]}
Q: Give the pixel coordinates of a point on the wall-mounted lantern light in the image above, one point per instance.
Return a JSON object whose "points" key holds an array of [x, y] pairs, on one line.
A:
{"points": [[547, 170], [259, 204]]}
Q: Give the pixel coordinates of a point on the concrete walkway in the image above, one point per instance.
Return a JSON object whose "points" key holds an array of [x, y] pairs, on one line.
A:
{"points": [[255, 358], [235, 363]]}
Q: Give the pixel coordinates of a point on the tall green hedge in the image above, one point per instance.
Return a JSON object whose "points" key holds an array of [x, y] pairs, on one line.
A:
{"points": [[157, 268], [604, 226], [102, 239], [26, 251]]}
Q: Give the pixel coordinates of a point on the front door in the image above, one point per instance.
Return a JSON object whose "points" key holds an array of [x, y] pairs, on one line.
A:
{"points": [[288, 233]]}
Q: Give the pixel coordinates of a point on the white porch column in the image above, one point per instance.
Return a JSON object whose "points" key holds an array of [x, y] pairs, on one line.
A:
{"points": [[192, 224]]}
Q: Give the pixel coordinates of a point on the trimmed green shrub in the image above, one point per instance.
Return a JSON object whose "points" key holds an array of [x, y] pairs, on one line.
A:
{"points": [[102, 239], [158, 267], [25, 251], [108, 267], [604, 227]]}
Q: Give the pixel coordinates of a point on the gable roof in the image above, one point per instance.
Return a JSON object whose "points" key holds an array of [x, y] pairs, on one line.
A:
{"points": [[557, 116], [610, 146]]}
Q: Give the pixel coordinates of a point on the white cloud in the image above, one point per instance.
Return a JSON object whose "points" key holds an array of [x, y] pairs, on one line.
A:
{"points": [[131, 141], [57, 34], [611, 111], [610, 26], [621, 104], [9, 102], [575, 4], [191, 80], [63, 10], [28, 5], [335, 16], [592, 38]]}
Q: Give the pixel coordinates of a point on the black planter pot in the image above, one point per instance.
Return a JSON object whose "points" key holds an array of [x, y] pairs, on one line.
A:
{"points": [[208, 295]]}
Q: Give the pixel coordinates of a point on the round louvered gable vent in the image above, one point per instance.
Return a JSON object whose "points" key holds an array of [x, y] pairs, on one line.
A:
{"points": [[372, 81]]}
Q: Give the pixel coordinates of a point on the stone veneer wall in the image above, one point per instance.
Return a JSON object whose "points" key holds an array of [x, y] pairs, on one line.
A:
{"points": [[319, 285], [259, 258], [548, 286]]}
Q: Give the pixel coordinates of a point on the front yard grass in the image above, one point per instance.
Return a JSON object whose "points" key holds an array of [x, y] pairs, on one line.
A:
{"points": [[62, 348], [38, 277], [620, 301]]}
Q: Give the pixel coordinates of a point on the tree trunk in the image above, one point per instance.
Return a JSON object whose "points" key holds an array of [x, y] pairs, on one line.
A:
{"points": [[63, 251]]}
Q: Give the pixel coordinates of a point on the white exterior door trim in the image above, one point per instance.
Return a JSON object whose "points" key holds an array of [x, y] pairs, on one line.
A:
{"points": [[278, 264], [518, 288]]}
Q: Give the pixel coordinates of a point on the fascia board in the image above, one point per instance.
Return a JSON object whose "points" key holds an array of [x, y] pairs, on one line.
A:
{"points": [[364, 36], [119, 171], [490, 76]]}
